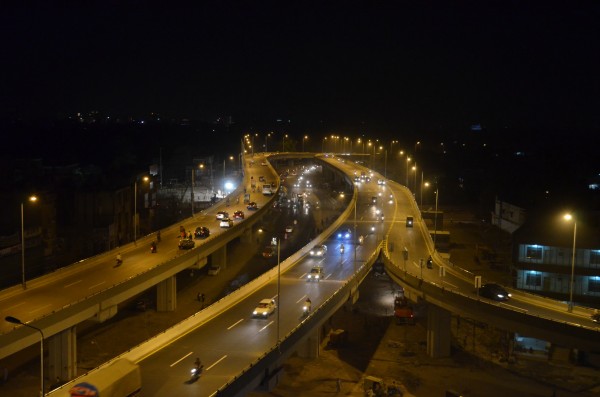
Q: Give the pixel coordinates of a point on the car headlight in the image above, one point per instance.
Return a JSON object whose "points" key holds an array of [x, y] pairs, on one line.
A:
{"points": [[255, 313], [312, 252], [317, 276]]}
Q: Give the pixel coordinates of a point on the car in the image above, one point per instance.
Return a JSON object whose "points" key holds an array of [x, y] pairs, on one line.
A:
{"points": [[595, 317], [289, 229], [318, 250], [264, 163], [268, 252], [374, 200], [222, 215], [409, 221], [252, 206], [265, 308], [213, 270], [494, 291], [186, 244], [381, 182], [201, 232], [315, 274], [238, 215], [344, 234], [226, 223]]}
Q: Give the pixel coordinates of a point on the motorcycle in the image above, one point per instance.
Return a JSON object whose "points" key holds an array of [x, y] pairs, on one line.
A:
{"points": [[196, 371], [153, 248], [342, 249], [429, 263], [306, 309], [361, 240]]}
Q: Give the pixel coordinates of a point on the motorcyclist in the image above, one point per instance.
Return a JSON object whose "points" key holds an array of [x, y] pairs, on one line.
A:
{"points": [[307, 304], [119, 259], [153, 246], [361, 239], [342, 248], [197, 363]]}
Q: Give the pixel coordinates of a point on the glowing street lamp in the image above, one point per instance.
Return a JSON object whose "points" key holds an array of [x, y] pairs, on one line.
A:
{"points": [[304, 138], [32, 199], [568, 218], [135, 213]]}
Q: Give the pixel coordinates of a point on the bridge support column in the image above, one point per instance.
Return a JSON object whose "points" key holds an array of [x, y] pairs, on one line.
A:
{"points": [[246, 236], [310, 347], [438, 332], [219, 257], [166, 295], [62, 356]]}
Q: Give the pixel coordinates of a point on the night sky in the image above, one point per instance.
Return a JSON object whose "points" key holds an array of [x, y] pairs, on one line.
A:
{"points": [[385, 67]]}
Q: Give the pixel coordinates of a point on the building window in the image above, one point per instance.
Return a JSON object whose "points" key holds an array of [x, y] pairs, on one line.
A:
{"points": [[594, 257], [534, 252], [594, 284], [533, 279]]}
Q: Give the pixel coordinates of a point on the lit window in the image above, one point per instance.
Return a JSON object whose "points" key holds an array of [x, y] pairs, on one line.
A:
{"points": [[534, 252]]}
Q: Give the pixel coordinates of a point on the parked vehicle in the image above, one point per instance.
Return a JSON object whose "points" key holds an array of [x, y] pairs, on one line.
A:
{"points": [[201, 232], [186, 244]]}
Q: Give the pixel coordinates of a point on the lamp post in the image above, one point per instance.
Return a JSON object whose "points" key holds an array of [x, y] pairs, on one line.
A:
{"points": [[426, 184], [304, 138], [323, 145], [283, 142], [407, 161], [33, 199], [135, 214], [414, 168], [14, 320], [569, 217], [437, 195]]}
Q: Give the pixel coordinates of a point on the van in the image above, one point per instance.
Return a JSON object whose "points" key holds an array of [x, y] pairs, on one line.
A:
{"points": [[267, 190]]}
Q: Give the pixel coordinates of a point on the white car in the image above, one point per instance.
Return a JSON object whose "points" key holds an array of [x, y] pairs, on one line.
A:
{"points": [[318, 250], [289, 229], [213, 270], [222, 215], [265, 308], [316, 274], [226, 223]]}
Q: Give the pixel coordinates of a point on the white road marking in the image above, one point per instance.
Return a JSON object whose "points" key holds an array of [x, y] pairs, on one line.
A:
{"points": [[329, 275], [40, 308], [452, 285], [17, 305], [302, 276], [265, 327], [234, 324], [216, 362], [301, 299], [73, 283], [181, 359], [94, 286]]}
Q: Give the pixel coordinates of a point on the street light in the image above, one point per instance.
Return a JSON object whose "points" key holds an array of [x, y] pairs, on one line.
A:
{"points": [[437, 195], [14, 320], [323, 145], [305, 137], [33, 199], [260, 230], [135, 214], [414, 168], [426, 184], [569, 217], [407, 161], [283, 142]]}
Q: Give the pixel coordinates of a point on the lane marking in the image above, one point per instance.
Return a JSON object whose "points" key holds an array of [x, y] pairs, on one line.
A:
{"points": [[17, 305], [181, 359], [72, 284], [302, 299], [40, 308], [216, 362], [265, 327], [450, 284], [94, 286], [234, 324], [302, 276]]}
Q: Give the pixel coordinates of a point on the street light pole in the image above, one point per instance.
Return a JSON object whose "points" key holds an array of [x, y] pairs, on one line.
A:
{"points": [[33, 199], [192, 192], [14, 320], [407, 161], [435, 215], [385, 165], [569, 217], [278, 288]]}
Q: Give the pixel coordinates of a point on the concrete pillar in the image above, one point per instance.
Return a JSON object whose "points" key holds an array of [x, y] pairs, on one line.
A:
{"points": [[310, 347], [219, 257], [62, 356], [438, 332], [166, 295], [246, 236]]}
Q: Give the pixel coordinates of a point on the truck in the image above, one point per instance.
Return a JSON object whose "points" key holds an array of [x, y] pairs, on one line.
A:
{"points": [[403, 311], [120, 377]]}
